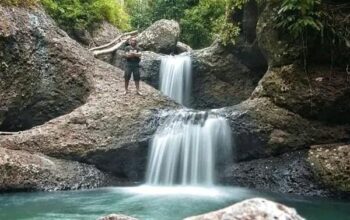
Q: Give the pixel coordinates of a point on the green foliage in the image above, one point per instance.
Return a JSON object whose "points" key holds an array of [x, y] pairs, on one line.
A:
{"points": [[297, 16], [86, 14], [22, 3], [201, 21]]}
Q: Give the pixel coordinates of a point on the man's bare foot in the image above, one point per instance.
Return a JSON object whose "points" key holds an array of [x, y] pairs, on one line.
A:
{"points": [[138, 92]]}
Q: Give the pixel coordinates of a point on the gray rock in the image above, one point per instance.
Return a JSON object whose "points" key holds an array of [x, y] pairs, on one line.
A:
{"points": [[220, 79], [20, 170], [117, 217], [160, 37], [257, 208], [289, 173], [311, 95]]}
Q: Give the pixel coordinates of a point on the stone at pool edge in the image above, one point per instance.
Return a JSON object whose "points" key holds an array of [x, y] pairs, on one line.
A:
{"points": [[251, 209], [117, 217], [256, 208]]}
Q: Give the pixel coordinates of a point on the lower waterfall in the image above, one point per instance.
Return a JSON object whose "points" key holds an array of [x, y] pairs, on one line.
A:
{"points": [[184, 149]]}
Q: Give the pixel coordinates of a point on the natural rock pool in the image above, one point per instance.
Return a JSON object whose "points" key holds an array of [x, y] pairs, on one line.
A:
{"points": [[153, 203]]}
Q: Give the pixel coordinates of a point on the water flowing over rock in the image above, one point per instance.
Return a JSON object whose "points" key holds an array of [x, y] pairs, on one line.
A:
{"points": [[186, 147], [256, 208], [176, 78]]}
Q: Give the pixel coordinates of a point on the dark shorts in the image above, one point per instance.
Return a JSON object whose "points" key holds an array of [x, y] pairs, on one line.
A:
{"points": [[132, 70]]}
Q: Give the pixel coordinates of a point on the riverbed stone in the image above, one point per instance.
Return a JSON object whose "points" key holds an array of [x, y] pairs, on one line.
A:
{"points": [[117, 217], [256, 208]]}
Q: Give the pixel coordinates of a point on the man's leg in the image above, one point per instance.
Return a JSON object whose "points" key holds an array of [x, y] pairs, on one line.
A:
{"points": [[137, 77], [127, 76]]}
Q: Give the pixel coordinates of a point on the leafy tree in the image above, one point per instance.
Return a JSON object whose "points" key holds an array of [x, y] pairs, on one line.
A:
{"points": [[86, 14], [201, 21], [299, 17]]}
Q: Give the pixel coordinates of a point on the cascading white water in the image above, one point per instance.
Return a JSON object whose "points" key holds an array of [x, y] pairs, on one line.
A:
{"points": [[183, 150], [175, 77]]}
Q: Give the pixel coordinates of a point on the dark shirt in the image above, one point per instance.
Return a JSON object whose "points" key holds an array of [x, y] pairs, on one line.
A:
{"points": [[132, 60]]}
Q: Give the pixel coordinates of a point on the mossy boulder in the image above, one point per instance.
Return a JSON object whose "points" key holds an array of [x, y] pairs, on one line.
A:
{"points": [[312, 95], [331, 165]]}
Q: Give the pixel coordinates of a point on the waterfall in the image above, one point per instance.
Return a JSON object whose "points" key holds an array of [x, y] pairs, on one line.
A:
{"points": [[175, 77], [184, 149]]}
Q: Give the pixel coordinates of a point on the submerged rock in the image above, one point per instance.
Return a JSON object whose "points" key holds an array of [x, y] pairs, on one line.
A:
{"points": [[257, 208], [117, 217], [160, 37], [20, 170], [331, 165]]}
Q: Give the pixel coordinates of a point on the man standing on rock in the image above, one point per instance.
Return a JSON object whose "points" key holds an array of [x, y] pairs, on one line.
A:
{"points": [[133, 58]]}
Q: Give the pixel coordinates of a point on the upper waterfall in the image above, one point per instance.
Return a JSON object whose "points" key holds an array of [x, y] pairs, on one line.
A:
{"points": [[176, 77], [184, 149]]}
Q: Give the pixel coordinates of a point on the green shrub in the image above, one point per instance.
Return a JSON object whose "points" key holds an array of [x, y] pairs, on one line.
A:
{"points": [[86, 14]]}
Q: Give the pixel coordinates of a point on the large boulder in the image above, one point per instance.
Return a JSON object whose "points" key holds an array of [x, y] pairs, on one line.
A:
{"points": [[104, 34], [331, 165], [160, 37], [286, 173], [220, 79], [20, 170], [41, 78], [107, 129], [277, 47], [256, 208], [311, 95], [262, 129]]}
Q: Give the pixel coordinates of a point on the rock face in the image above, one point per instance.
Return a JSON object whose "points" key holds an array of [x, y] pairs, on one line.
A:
{"points": [[20, 170], [312, 96], [277, 48], [160, 37], [256, 208], [220, 79], [37, 84], [261, 129], [107, 129], [331, 164], [104, 34], [287, 173]]}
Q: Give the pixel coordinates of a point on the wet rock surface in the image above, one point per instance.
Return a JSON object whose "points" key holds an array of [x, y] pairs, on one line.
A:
{"points": [[256, 208], [20, 170], [117, 217], [287, 173]]}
